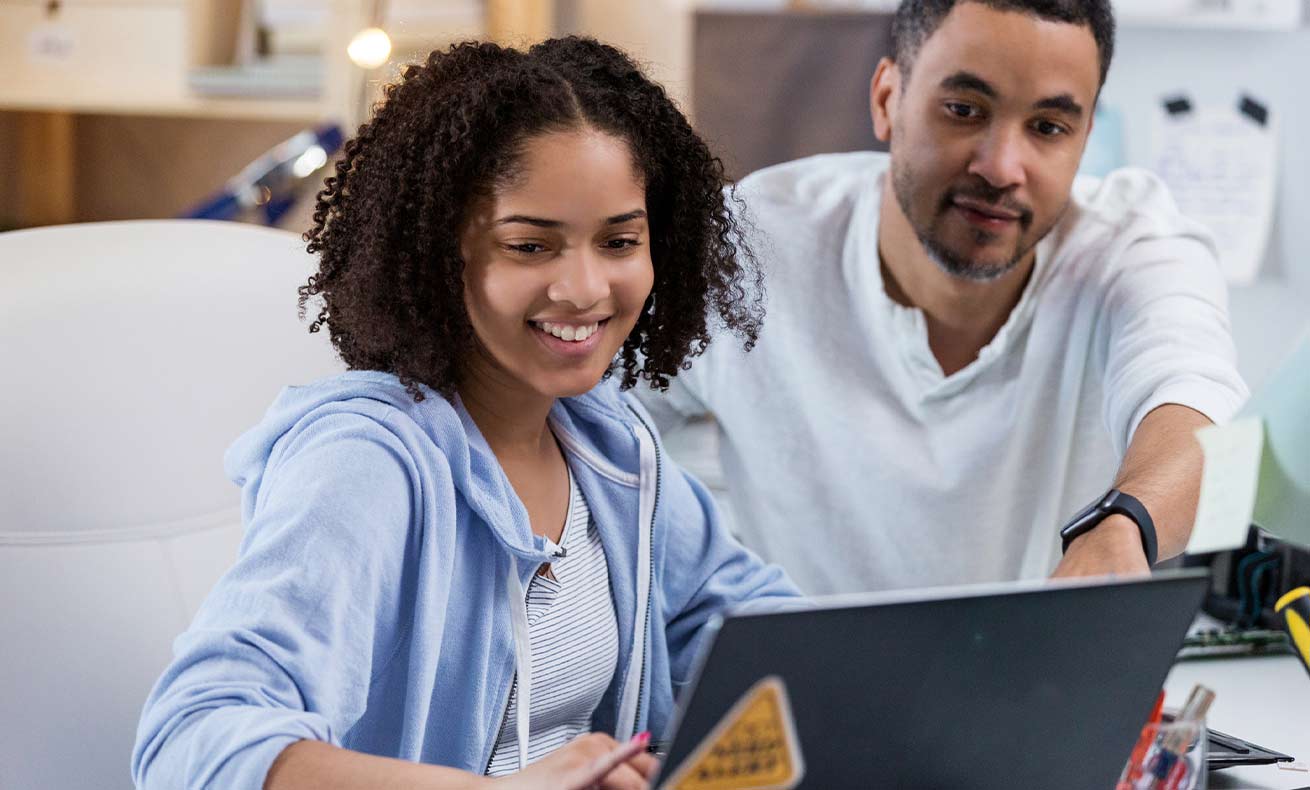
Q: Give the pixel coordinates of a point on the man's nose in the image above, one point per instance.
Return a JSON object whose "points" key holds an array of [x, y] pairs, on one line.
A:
{"points": [[1000, 158]]}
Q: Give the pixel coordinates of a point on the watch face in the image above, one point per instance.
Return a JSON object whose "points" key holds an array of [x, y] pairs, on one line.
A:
{"points": [[1097, 506], [1087, 517], [1111, 499]]}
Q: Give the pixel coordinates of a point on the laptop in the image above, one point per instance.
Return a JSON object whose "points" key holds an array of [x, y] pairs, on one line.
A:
{"points": [[1017, 685]]}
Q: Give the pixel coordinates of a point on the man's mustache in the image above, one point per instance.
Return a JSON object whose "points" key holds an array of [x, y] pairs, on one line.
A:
{"points": [[1000, 199]]}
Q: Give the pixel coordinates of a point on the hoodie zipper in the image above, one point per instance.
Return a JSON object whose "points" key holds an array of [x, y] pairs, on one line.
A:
{"points": [[641, 683], [504, 717]]}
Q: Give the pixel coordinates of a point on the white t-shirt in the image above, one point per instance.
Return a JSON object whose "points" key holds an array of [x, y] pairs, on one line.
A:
{"points": [[854, 463]]}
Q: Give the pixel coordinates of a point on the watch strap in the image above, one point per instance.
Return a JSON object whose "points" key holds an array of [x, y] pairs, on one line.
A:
{"points": [[1128, 505], [1115, 502]]}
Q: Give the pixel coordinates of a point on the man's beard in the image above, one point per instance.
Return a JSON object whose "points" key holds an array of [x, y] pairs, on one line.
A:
{"points": [[946, 258]]}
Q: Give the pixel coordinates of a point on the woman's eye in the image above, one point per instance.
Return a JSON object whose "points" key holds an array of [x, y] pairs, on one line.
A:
{"points": [[619, 244], [527, 247]]}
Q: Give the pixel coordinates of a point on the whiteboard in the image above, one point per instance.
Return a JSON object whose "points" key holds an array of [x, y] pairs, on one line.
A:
{"points": [[1231, 14]]}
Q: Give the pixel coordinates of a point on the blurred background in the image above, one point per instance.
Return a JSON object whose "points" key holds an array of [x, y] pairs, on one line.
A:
{"points": [[115, 513], [122, 109]]}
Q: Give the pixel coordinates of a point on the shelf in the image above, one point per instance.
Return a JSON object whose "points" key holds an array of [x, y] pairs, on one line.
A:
{"points": [[299, 109], [65, 58]]}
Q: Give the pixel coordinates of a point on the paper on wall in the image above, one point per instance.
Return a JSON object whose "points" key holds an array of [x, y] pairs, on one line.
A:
{"points": [[1221, 166]]}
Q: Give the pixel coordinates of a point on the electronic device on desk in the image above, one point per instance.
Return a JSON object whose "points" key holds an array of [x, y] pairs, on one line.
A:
{"points": [[1023, 684], [1229, 642], [1226, 751], [1247, 582]]}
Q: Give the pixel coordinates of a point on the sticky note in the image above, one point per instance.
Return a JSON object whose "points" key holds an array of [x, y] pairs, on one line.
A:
{"points": [[1229, 482], [753, 746]]}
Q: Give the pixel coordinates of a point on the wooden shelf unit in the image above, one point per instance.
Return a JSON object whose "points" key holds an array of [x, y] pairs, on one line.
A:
{"points": [[64, 58]]}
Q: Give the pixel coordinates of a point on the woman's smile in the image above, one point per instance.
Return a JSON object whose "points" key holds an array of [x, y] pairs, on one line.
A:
{"points": [[570, 338]]}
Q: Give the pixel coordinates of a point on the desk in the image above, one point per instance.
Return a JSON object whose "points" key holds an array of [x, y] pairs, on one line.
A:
{"points": [[1265, 700]]}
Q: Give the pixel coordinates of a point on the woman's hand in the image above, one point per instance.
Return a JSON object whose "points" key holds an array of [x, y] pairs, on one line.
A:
{"points": [[590, 762]]}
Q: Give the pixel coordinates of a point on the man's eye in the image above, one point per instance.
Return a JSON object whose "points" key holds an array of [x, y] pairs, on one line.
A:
{"points": [[961, 110], [1049, 129]]}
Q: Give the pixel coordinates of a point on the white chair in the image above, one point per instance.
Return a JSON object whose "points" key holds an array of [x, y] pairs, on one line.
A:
{"points": [[131, 355]]}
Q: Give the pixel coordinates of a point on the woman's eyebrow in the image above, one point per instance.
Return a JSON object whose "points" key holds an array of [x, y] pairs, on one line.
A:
{"points": [[619, 219], [526, 220]]}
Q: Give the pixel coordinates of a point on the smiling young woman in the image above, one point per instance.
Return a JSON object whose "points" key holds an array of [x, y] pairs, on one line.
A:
{"points": [[468, 560]]}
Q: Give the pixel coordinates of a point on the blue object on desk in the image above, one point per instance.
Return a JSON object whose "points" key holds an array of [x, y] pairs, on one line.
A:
{"points": [[268, 187]]}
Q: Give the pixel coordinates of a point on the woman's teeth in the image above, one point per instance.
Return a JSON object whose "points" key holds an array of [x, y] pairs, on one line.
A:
{"points": [[574, 334]]}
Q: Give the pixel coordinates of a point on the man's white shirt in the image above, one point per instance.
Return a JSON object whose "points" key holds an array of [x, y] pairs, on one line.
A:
{"points": [[853, 462]]}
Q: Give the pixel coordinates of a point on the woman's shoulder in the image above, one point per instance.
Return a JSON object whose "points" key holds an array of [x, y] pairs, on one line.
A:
{"points": [[334, 414], [374, 396]]}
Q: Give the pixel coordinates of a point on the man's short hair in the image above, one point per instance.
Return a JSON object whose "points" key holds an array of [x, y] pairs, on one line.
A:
{"points": [[917, 20]]}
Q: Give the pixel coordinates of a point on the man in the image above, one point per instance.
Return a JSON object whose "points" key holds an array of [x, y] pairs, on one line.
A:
{"points": [[963, 342]]}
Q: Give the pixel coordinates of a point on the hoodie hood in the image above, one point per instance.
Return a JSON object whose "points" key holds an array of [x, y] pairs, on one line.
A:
{"points": [[476, 473]]}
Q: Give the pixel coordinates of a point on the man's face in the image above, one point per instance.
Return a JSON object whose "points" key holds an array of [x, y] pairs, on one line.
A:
{"points": [[986, 134]]}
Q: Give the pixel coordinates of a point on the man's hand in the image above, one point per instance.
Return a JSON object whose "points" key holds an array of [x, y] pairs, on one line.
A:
{"points": [[589, 762], [1112, 547]]}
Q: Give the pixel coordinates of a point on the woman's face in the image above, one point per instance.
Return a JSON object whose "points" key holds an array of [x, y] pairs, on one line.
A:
{"points": [[557, 265]]}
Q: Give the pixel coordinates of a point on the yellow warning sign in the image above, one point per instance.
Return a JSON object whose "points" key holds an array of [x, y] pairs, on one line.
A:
{"points": [[753, 747]]}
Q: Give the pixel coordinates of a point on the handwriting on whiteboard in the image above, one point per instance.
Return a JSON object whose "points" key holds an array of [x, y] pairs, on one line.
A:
{"points": [[51, 43]]}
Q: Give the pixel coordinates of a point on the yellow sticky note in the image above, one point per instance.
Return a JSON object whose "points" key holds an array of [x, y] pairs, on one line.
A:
{"points": [[754, 746], [1229, 482]]}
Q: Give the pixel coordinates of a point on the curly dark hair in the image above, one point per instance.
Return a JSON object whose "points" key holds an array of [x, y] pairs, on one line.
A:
{"points": [[387, 225]]}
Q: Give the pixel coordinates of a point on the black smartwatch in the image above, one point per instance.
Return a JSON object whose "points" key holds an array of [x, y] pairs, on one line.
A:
{"points": [[1114, 502]]}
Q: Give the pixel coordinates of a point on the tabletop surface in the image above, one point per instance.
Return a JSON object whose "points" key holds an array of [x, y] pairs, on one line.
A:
{"points": [[1265, 700]]}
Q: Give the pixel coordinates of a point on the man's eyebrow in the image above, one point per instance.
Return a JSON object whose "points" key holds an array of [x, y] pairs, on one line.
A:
{"points": [[1064, 103], [619, 219], [968, 81], [526, 220]]}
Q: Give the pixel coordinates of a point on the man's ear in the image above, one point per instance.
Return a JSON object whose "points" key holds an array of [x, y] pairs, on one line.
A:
{"points": [[884, 94]]}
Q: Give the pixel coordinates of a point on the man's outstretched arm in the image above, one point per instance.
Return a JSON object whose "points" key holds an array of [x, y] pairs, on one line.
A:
{"points": [[1162, 469]]}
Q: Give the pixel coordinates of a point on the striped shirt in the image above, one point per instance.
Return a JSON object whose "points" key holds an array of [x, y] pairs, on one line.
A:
{"points": [[574, 640]]}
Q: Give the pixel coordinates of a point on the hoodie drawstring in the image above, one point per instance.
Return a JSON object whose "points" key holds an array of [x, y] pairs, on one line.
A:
{"points": [[518, 608]]}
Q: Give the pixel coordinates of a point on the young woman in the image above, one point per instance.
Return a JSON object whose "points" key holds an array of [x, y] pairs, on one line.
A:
{"points": [[470, 552]]}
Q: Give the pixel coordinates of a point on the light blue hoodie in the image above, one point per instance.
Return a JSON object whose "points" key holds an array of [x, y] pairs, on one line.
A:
{"points": [[379, 588]]}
